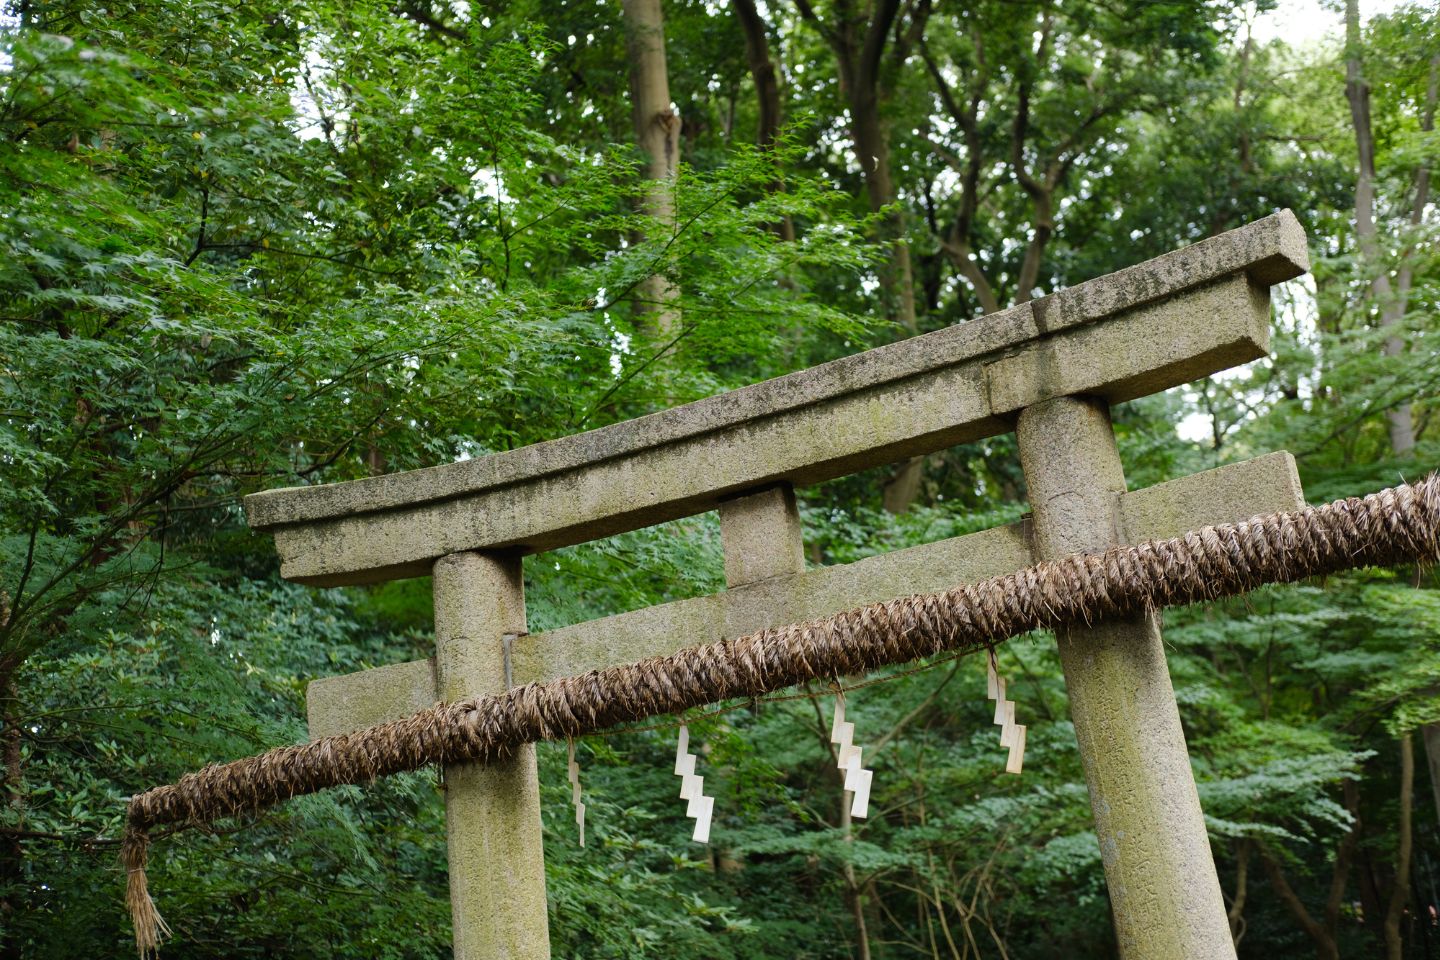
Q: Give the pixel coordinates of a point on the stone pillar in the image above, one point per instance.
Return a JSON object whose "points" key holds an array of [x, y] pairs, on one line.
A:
{"points": [[1161, 876], [492, 811], [761, 536]]}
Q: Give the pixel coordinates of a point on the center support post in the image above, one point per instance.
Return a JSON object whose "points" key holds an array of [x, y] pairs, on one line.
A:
{"points": [[760, 534], [492, 810], [1164, 891]]}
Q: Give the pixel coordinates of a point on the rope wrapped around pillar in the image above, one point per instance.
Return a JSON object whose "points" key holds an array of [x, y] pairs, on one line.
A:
{"points": [[1397, 525]]}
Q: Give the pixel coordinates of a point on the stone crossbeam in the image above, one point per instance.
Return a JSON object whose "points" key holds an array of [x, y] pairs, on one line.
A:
{"points": [[1159, 324], [1227, 494]]}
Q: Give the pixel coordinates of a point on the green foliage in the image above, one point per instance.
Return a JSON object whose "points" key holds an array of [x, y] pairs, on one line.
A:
{"points": [[248, 245]]}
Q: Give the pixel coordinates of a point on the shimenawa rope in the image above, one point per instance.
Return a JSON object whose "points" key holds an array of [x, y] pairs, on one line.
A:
{"points": [[1401, 524]]}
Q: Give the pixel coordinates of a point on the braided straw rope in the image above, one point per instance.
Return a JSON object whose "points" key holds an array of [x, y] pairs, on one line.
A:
{"points": [[1397, 525]]}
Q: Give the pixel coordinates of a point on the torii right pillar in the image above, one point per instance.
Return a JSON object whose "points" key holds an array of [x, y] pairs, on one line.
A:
{"points": [[1164, 891]]}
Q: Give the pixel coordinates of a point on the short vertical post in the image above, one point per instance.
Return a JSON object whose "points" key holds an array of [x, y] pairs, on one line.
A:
{"points": [[1159, 869], [492, 811], [761, 536], [760, 533]]}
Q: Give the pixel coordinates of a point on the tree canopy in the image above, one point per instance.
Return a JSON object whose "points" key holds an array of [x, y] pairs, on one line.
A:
{"points": [[245, 245]]}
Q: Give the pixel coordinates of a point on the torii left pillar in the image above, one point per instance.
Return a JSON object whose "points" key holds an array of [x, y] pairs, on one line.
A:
{"points": [[492, 811]]}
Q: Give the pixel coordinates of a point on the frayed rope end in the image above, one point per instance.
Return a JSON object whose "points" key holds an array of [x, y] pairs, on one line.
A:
{"points": [[150, 927]]}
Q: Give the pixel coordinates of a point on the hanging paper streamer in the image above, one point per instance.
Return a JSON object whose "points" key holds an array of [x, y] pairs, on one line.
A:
{"points": [[857, 778], [692, 788], [1012, 734], [574, 771]]}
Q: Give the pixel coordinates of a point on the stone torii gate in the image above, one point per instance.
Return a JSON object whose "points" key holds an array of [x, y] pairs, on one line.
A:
{"points": [[1049, 370]]}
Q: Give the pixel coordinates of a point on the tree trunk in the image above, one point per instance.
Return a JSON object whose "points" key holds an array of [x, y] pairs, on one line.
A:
{"points": [[767, 89], [1400, 889], [1325, 945], [1357, 92], [903, 488], [963, 259], [762, 71], [859, 44], [1043, 223], [1339, 876], [12, 850], [958, 244], [1237, 902], [1431, 732], [1367, 889], [872, 149], [898, 279], [853, 898], [1040, 188], [657, 131], [1402, 427]]}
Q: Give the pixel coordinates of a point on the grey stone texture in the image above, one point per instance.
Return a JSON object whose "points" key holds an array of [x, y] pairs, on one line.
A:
{"points": [[1140, 351], [1226, 494], [492, 811], [1236, 491], [354, 701], [1164, 891], [1158, 324], [761, 537]]}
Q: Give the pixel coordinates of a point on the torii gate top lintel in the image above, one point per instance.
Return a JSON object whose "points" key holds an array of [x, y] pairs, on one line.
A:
{"points": [[1167, 321]]}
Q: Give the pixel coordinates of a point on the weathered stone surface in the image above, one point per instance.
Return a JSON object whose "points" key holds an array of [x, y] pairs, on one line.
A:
{"points": [[902, 400], [1269, 251], [378, 695], [1141, 350], [665, 628], [661, 630], [828, 381], [1234, 492], [492, 811], [761, 536], [1164, 891], [661, 483]]}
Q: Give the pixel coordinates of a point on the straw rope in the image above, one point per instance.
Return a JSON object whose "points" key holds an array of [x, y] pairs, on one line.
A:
{"points": [[1397, 525]]}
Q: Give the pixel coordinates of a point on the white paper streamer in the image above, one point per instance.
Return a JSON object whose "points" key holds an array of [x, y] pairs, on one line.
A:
{"points": [[1012, 734], [574, 772], [857, 778], [700, 807]]}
